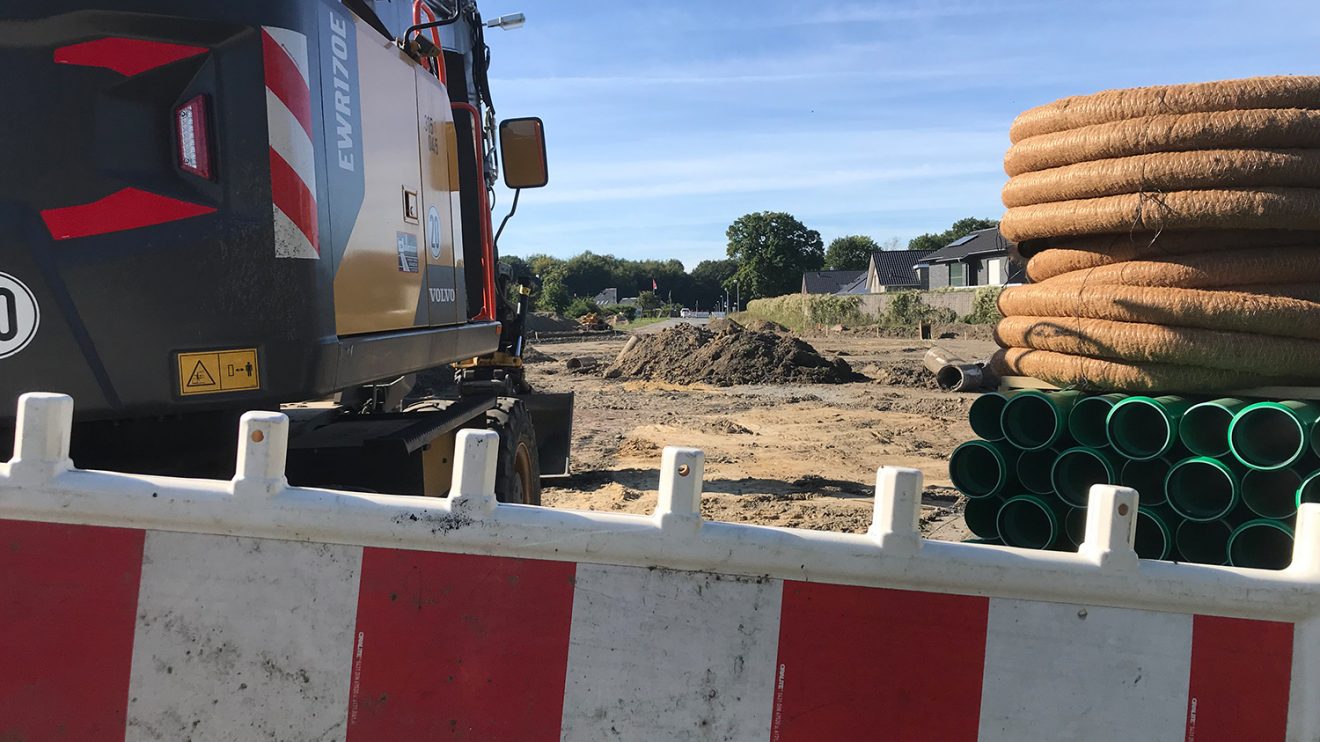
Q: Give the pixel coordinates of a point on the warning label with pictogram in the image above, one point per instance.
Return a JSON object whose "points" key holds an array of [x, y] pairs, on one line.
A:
{"points": [[218, 371]]}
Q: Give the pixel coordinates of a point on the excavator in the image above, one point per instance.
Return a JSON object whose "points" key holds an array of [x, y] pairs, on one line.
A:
{"points": [[223, 207]]}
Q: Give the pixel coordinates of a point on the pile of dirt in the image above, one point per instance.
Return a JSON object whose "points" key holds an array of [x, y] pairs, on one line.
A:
{"points": [[911, 374], [532, 355], [689, 354], [723, 324], [765, 325], [550, 322]]}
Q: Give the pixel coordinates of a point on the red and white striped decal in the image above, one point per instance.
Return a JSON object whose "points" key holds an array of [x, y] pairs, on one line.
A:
{"points": [[163, 635], [292, 156]]}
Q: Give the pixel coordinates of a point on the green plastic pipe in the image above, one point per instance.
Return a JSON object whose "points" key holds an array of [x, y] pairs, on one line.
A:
{"points": [[1272, 435], [1086, 420], [1030, 522], [985, 413], [1076, 469], [1147, 478], [982, 516], [983, 468], [983, 541], [1074, 526], [1309, 489], [1033, 471], [1145, 427], [1261, 544], [1271, 493], [1204, 427], [1155, 529], [1202, 488], [1203, 542], [1033, 420]]}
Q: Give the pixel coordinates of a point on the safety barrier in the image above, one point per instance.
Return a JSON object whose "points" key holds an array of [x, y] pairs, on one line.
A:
{"points": [[167, 608]]}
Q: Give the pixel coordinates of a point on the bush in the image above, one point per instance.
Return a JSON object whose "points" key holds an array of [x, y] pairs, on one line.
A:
{"points": [[907, 308], [581, 306], [985, 306], [629, 312]]}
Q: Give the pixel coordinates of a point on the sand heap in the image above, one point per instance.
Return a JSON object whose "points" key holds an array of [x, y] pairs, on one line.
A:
{"points": [[728, 355]]}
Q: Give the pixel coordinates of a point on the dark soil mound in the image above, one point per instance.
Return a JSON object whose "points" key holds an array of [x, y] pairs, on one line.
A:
{"points": [[904, 373], [689, 354], [765, 325], [547, 322], [723, 324]]}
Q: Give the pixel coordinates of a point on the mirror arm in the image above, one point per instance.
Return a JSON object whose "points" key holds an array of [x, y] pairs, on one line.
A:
{"points": [[513, 209]]}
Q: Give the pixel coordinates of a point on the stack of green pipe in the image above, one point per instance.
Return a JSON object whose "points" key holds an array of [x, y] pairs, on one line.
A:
{"points": [[1220, 480]]}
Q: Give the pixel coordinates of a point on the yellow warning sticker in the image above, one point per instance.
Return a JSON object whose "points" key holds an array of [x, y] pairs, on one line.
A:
{"points": [[218, 371]]}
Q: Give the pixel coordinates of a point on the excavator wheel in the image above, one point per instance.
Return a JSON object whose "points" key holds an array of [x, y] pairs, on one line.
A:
{"points": [[518, 473]]}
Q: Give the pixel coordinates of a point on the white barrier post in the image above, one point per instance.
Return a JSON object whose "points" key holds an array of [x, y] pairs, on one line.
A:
{"points": [[1111, 527], [263, 443], [1306, 542], [679, 504], [475, 460], [41, 438], [896, 519]]}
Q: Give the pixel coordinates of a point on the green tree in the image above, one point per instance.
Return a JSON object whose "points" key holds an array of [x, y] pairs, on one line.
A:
{"points": [[960, 228], [708, 281], [773, 250], [554, 295], [850, 253]]}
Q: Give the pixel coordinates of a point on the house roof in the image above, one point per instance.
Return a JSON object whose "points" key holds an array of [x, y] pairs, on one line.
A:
{"points": [[980, 242], [828, 282], [895, 267], [856, 286]]}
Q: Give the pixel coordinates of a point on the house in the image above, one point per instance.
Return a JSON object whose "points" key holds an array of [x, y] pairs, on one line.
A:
{"points": [[828, 282], [857, 286], [979, 259], [892, 270], [607, 298]]}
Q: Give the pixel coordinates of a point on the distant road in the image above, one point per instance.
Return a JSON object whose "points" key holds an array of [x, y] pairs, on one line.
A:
{"points": [[671, 322]]}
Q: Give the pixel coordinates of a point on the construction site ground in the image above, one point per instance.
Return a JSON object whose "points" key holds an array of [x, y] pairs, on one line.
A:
{"points": [[798, 455]]}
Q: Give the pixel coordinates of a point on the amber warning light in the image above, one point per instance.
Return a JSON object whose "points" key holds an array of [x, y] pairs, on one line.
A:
{"points": [[194, 147]]}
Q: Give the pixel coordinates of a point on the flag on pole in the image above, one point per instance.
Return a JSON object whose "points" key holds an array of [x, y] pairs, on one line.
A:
{"points": [[654, 287]]}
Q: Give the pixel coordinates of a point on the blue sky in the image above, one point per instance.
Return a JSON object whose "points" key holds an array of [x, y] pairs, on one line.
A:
{"points": [[668, 120]]}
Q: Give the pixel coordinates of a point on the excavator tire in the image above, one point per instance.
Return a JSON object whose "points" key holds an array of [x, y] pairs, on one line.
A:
{"points": [[518, 473]]}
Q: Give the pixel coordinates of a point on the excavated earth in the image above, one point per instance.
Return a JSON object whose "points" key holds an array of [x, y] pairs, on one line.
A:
{"points": [[783, 453], [725, 353]]}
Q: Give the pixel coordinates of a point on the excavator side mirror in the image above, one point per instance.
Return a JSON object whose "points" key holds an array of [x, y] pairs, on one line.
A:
{"points": [[522, 147]]}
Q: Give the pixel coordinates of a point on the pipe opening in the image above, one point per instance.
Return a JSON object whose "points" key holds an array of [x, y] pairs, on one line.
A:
{"points": [[1147, 478], [1139, 429], [1076, 470], [1033, 471], [1261, 544], [1272, 493], [1074, 526], [1031, 422], [1153, 538], [1086, 421], [1204, 429], [982, 517], [1203, 542], [1028, 523], [1201, 489], [949, 377], [985, 414], [1309, 490], [1267, 437], [977, 469]]}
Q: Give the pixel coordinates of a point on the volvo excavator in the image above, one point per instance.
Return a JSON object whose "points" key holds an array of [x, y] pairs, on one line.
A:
{"points": [[214, 207]]}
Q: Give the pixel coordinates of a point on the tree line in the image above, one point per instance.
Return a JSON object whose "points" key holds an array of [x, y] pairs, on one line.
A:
{"points": [[768, 252]]}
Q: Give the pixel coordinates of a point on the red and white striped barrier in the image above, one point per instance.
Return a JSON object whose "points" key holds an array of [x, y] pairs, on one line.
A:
{"points": [[158, 608], [292, 157]]}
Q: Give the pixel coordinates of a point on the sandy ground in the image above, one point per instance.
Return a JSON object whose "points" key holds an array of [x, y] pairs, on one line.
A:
{"points": [[800, 455]]}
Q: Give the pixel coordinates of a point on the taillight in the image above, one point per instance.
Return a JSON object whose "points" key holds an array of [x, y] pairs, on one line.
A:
{"points": [[194, 146]]}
